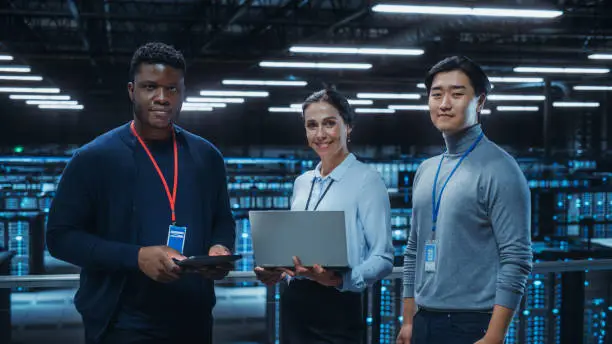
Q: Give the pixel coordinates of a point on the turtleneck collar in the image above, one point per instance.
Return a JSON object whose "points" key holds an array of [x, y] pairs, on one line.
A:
{"points": [[460, 142]]}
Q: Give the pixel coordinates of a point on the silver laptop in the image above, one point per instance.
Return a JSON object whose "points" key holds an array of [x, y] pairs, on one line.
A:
{"points": [[316, 237]]}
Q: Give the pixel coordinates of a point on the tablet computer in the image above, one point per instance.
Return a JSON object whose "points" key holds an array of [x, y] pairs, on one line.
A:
{"points": [[206, 261]]}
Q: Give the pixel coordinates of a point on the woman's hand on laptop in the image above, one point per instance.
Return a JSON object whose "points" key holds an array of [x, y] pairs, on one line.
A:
{"points": [[316, 273], [269, 276]]}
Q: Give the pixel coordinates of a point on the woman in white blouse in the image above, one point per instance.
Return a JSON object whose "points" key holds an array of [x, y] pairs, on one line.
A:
{"points": [[317, 305]]}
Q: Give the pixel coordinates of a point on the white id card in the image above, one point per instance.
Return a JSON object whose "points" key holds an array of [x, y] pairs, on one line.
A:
{"points": [[431, 254]]}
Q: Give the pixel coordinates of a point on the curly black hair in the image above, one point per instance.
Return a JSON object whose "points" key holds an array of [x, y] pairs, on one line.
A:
{"points": [[156, 52]]}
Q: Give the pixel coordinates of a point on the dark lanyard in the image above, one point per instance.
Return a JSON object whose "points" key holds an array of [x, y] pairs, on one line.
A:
{"points": [[436, 207], [320, 197]]}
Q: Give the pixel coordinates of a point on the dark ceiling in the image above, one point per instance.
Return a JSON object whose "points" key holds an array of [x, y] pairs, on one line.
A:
{"points": [[84, 48]]}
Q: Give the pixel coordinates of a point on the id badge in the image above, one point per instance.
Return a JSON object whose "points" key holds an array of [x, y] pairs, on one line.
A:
{"points": [[176, 237], [431, 253]]}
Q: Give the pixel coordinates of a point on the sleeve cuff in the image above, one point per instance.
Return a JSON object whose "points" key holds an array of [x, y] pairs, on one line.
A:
{"points": [[508, 299], [408, 290], [131, 253], [352, 281]]}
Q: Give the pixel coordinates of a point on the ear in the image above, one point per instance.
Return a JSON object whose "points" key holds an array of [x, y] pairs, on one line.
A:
{"points": [[130, 87], [349, 129], [481, 103]]}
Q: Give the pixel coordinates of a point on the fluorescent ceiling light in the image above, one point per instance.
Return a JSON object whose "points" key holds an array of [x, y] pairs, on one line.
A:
{"points": [[6, 58], [201, 108], [518, 108], [320, 65], [409, 107], [284, 109], [576, 104], [503, 79], [514, 79], [215, 100], [517, 13], [37, 96], [15, 69], [350, 101], [600, 56], [360, 101], [561, 70], [264, 82], [356, 51], [29, 90], [373, 110], [52, 102], [63, 107], [389, 95], [213, 105], [21, 77], [515, 97], [470, 11], [592, 88], [426, 108], [234, 93]]}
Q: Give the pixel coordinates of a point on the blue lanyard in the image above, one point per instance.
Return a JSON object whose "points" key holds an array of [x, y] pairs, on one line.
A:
{"points": [[436, 207]]}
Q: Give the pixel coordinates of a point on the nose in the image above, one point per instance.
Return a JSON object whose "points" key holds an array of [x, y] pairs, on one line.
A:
{"points": [[160, 97], [320, 133], [446, 103]]}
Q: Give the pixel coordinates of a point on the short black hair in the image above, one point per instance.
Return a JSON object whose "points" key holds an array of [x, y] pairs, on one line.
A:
{"points": [[157, 52], [336, 99], [479, 80]]}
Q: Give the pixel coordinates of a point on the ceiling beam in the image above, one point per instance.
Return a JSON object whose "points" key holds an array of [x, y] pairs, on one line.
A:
{"points": [[214, 36]]}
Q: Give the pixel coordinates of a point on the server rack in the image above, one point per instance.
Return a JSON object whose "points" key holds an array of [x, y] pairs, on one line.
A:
{"points": [[566, 208]]}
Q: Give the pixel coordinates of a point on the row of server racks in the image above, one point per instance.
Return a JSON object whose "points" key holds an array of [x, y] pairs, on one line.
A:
{"points": [[567, 209]]}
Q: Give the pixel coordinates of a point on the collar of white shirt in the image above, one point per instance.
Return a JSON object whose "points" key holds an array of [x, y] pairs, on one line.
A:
{"points": [[339, 171]]}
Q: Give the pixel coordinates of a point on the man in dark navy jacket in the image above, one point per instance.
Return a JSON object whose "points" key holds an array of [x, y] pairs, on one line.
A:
{"points": [[117, 202]]}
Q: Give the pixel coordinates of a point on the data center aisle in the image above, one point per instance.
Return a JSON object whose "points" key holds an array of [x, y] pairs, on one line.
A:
{"points": [[49, 316]]}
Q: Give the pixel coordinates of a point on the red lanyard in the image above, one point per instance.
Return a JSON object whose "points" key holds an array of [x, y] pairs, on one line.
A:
{"points": [[171, 197]]}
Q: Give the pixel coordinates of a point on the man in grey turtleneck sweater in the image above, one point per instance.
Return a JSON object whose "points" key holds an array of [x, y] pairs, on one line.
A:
{"points": [[466, 265]]}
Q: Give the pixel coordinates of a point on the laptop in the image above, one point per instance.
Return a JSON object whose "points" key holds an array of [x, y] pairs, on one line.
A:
{"points": [[316, 237]]}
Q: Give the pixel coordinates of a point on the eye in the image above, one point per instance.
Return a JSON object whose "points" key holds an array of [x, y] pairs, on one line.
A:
{"points": [[173, 89], [150, 87], [329, 123]]}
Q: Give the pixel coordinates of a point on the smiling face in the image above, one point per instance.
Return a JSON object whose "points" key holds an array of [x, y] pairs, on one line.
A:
{"points": [[326, 131], [157, 95], [453, 105]]}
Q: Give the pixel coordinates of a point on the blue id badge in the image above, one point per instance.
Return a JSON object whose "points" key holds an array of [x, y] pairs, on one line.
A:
{"points": [[176, 237], [431, 253]]}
